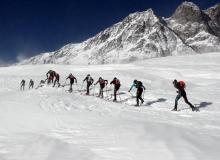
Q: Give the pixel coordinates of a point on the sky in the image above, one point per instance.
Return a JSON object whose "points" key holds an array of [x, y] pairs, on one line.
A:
{"points": [[30, 27]]}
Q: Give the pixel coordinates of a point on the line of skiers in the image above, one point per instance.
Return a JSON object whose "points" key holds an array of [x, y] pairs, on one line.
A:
{"points": [[22, 84], [53, 78]]}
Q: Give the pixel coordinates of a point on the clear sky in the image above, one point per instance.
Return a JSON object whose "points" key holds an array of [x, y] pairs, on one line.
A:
{"points": [[30, 27]]}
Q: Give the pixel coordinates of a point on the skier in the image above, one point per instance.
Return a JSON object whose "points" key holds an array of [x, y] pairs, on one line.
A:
{"points": [[181, 93], [117, 85], [31, 84], [42, 83], [50, 76], [89, 80], [57, 79], [22, 84], [102, 84], [72, 80], [140, 88]]}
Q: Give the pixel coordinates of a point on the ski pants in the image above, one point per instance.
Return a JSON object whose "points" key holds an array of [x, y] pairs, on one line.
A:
{"points": [[56, 81], [87, 87], [115, 91], [50, 79], [71, 84], [22, 87], [101, 92], [139, 95], [31, 86], [182, 94]]}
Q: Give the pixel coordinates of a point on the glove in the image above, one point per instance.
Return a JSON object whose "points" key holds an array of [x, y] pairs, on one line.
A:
{"points": [[129, 90]]}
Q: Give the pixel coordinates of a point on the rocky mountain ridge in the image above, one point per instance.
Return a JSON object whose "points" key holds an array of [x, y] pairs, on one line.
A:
{"points": [[143, 35]]}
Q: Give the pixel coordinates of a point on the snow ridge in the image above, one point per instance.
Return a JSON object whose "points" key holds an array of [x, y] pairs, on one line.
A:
{"points": [[143, 35]]}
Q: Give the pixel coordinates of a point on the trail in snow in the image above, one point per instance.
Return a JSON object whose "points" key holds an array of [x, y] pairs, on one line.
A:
{"points": [[52, 124]]}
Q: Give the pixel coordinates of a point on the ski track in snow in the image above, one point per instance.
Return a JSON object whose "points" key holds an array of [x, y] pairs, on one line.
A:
{"points": [[52, 124]]}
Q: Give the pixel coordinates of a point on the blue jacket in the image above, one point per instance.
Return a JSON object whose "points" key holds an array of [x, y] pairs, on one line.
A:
{"points": [[135, 85]]}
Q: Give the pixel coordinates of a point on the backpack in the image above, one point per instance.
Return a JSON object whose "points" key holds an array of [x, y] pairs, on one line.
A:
{"points": [[90, 79], [117, 82], [182, 84], [139, 84]]}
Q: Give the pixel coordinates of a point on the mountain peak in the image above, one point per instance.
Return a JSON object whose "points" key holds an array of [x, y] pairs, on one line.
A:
{"points": [[214, 13], [145, 14], [187, 4], [143, 35], [188, 12]]}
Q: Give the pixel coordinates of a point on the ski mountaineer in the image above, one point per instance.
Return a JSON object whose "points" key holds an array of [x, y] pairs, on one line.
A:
{"points": [[89, 81], [117, 84], [57, 80], [181, 93], [50, 76], [42, 83], [22, 84], [72, 80], [31, 84], [140, 88], [103, 83]]}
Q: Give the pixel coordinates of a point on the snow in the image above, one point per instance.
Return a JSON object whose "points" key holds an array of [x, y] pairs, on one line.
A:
{"points": [[191, 5], [52, 124]]}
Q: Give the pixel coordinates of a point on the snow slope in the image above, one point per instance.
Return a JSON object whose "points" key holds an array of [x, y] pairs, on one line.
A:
{"points": [[51, 124]]}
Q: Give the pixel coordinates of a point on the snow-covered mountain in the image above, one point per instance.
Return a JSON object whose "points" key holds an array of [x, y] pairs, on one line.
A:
{"points": [[198, 29], [144, 35]]}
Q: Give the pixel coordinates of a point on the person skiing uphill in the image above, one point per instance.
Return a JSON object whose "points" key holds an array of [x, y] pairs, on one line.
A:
{"points": [[117, 85], [102, 84], [31, 84], [57, 79], [42, 83], [140, 88], [50, 76], [89, 81], [22, 84], [181, 93], [72, 80]]}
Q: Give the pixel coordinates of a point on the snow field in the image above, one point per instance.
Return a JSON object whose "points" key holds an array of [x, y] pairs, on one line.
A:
{"points": [[52, 124]]}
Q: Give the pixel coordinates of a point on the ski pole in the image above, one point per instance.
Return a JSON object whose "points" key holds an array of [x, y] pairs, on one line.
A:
{"points": [[82, 85], [143, 94], [118, 95], [131, 94], [94, 87], [106, 90], [110, 90]]}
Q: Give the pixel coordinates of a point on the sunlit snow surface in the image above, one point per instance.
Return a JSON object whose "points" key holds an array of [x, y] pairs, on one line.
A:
{"points": [[52, 124]]}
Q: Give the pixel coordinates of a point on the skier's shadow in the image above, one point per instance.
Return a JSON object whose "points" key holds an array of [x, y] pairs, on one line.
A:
{"points": [[203, 104], [155, 101]]}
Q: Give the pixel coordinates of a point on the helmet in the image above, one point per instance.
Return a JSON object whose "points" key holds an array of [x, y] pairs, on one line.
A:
{"points": [[100, 77], [70, 74], [115, 78], [135, 81], [88, 75]]}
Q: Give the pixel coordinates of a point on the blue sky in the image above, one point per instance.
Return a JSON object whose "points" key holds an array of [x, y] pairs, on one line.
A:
{"points": [[30, 27]]}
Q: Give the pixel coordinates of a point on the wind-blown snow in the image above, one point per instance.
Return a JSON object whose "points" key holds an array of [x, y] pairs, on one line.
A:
{"points": [[51, 124]]}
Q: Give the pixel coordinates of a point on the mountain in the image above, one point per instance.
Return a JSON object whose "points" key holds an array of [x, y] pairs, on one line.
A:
{"points": [[197, 28], [143, 35]]}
